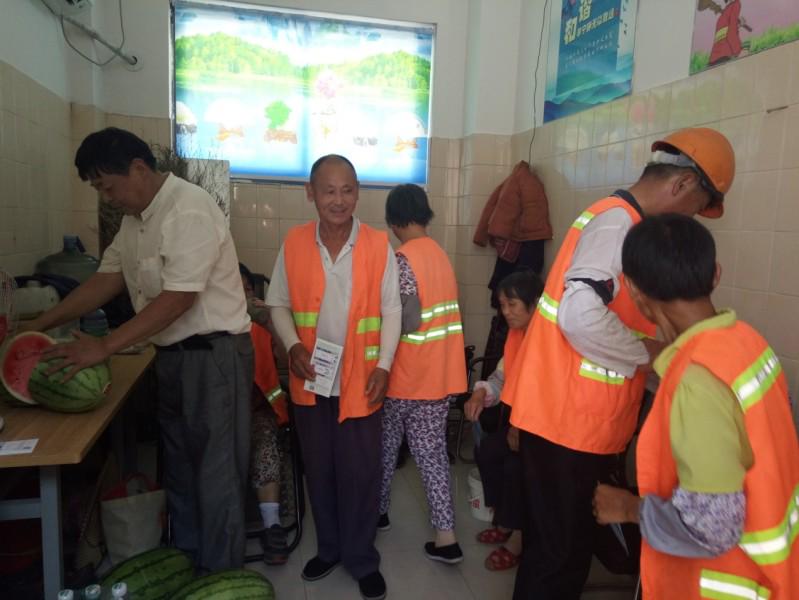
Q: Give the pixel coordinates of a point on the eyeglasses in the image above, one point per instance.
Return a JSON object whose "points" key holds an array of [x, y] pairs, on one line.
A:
{"points": [[716, 197]]}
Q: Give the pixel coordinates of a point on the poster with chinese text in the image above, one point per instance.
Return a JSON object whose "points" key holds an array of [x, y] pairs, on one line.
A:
{"points": [[590, 58], [728, 29]]}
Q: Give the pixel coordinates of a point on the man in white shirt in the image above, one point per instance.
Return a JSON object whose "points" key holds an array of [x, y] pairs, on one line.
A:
{"points": [[336, 280], [175, 256]]}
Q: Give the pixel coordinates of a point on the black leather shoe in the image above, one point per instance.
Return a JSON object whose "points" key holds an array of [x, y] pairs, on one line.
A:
{"points": [[316, 569], [373, 586]]}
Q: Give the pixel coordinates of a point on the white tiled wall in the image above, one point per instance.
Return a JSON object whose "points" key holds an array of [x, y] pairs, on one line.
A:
{"points": [[35, 200], [755, 103]]}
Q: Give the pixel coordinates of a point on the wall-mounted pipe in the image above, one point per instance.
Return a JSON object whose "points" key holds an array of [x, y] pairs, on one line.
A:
{"points": [[128, 58]]}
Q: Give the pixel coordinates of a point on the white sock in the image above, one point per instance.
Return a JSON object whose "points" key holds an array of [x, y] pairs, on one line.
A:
{"points": [[270, 513]]}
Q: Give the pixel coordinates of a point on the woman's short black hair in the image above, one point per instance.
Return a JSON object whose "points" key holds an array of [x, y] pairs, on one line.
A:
{"points": [[670, 257], [247, 274], [336, 157], [524, 285], [110, 151], [406, 204]]}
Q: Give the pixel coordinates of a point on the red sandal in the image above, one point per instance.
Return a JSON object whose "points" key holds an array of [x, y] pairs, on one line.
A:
{"points": [[501, 559], [493, 536]]}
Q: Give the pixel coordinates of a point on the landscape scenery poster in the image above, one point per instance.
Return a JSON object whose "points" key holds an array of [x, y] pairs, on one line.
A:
{"points": [[728, 29], [271, 91], [590, 57]]}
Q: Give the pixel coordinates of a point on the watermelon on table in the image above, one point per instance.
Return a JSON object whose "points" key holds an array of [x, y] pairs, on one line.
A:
{"points": [[23, 377], [153, 575], [83, 392], [233, 584], [20, 357]]}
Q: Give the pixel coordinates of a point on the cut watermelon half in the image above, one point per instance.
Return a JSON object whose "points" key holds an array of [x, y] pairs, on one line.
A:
{"points": [[20, 358]]}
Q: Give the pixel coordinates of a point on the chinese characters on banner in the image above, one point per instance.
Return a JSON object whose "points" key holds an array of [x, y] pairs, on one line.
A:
{"points": [[728, 29], [590, 55]]}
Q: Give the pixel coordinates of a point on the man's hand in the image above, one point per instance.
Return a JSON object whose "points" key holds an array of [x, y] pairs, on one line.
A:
{"points": [[300, 362], [85, 351], [475, 405], [615, 505], [513, 438], [376, 386]]}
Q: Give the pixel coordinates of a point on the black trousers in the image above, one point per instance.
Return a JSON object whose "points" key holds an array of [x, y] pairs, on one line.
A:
{"points": [[501, 474], [343, 468], [559, 527]]}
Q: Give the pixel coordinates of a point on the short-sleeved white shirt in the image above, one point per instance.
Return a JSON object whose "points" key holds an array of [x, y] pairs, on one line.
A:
{"points": [[181, 243]]}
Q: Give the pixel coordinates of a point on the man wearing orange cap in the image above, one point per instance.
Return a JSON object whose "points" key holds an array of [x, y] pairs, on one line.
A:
{"points": [[585, 358]]}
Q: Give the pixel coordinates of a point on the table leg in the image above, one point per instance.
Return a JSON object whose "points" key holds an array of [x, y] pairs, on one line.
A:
{"points": [[52, 550]]}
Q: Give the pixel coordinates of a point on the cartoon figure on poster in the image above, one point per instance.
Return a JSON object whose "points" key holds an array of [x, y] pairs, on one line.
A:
{"points": [[727, 39], [728, 29]]}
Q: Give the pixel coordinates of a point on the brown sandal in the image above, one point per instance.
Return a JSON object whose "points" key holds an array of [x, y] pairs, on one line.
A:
{"points": [[501, 559], [493, 536]]}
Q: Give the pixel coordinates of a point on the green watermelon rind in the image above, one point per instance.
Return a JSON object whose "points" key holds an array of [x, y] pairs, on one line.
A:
{"points": [[233, 584], [84, 392], [153, 575]]}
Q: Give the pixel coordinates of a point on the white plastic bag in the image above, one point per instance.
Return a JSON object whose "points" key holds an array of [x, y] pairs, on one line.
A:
{"points": [[133, 515]]}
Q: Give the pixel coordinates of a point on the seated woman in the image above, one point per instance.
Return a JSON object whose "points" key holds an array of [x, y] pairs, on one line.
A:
{"points": [[268, 412], [497, 456]]}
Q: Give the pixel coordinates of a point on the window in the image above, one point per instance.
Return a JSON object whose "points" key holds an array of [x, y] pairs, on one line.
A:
{"points": [[271, 90]]}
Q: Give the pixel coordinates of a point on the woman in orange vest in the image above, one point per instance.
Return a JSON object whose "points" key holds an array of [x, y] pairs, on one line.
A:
{"points": [[717, 458], [498, 453], [429, 366], [269, 411]]}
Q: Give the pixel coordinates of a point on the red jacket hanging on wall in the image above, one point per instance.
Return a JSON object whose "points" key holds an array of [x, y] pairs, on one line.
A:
{"points": [[517, 210]]}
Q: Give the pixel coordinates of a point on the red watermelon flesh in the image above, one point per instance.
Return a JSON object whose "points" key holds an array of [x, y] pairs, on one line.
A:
{"points": [[21, 356]]}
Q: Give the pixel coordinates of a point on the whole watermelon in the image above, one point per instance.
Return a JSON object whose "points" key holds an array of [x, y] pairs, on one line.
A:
{"points": [[23, 377], [153, 575], [234, 584], [84, 392]]}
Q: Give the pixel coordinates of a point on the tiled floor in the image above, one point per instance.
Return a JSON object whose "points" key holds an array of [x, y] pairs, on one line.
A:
{"points": [[408, 573]]}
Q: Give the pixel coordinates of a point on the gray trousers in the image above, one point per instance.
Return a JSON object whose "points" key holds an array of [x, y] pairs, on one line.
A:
{"points": [[204, 414]]}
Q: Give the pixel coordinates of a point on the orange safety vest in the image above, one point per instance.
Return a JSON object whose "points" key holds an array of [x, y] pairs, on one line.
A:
{"points": [[430, 363], [306, 282], [562, 396], [765, 564], [266, 373], [510, 353]]}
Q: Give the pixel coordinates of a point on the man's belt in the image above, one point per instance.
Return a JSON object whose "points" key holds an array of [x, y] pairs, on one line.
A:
{"points": [[194, 342]]}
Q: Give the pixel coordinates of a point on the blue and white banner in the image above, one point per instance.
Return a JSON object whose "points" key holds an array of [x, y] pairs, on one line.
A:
{"points": [[590, 58]]}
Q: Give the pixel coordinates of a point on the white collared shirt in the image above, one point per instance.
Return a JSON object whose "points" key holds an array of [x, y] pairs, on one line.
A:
{"points": [[333, 313], [181, 243]]}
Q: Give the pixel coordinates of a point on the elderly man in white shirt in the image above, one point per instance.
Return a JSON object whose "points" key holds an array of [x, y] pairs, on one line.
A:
{"points": [[175, 256], [337, 280]]}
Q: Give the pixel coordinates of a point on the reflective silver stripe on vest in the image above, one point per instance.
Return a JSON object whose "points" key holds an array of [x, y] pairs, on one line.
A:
{"points": [[751, 385], [548, 307], [593, 371], [770, 546], [723, 586]]}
